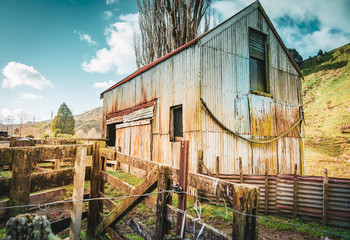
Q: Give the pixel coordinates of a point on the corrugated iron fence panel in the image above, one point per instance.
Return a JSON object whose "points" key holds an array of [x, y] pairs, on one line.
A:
{"points": [[309, 199]]}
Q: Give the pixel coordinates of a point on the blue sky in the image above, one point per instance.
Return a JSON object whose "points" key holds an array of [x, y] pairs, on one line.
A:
{"points": [[71, 50]]}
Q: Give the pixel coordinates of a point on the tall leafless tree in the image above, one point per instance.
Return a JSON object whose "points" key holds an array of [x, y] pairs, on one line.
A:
{"points": [[166, 25]]}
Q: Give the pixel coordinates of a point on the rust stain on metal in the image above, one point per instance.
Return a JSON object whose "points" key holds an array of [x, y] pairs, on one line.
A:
{"points": [[132, 109]]}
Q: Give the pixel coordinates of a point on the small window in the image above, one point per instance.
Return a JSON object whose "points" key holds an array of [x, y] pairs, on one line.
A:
{"points": [[257, 62], [176, 127]]}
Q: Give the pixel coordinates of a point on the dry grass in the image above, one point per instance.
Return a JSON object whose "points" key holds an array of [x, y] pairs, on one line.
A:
{"points": [[316, 162]]}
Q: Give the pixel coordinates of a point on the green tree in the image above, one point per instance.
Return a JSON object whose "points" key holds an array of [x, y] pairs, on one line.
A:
{"points": [[296, 56], [64, 121]]}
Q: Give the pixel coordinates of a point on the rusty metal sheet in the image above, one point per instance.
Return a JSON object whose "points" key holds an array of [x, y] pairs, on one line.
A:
{"points": [[262, 116]]}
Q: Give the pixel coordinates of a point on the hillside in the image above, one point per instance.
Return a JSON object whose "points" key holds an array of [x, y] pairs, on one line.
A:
{"points": [[327, 112], [87, 124]]}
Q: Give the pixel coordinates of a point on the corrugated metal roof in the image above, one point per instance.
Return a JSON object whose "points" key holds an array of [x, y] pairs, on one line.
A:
{"points": [[194, 41]]}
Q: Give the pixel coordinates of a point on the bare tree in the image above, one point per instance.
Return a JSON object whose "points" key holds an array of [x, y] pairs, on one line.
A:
{"points": [[22, 119], [166, 25], [9, 120]]}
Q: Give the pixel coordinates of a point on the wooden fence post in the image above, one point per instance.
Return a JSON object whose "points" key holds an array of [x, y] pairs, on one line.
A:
{"points": [[325, 196], [240, 170], [119, 149], [266, 188], [183, 174], [58, 164], [295, 192], [245, 223], [162, 224], [78, 193], [93, 212], [20, 181]]}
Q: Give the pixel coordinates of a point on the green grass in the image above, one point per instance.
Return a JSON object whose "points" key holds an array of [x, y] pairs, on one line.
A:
{"points": [[126, 177], [5, 174], [2, 233], [298, 225], [327, 102]]}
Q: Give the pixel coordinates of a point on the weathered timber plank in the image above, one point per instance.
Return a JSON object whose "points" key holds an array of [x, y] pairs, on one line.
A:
{"points": [[43, 152], [40, 169], [52, 179], [137, 226], [78, 194], [183, 179], [6, 155], [20, 181], [162, 224], [4, 187], [62, 224], [140, 228], [113, 234], [117, 183], [94, 190], [146, 186], [246, 202], [209, 232], [37, 198], [108, 153], [136, 162]]}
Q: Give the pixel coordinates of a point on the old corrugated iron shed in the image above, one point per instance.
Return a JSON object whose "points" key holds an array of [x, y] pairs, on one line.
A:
{"points": [[243, 72]]}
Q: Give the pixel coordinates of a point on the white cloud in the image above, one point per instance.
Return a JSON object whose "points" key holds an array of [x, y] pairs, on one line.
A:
{"points": [[85, 37], [30, 96], [119, 56], [108, 15], [227, 9], [18, 74], [108, 2], [104, 85], [15, 115], [333, 18]]}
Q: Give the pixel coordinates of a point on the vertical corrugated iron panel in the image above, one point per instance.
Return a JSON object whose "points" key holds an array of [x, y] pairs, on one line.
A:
{"points": [[242, 115], [228, 159], [286, 117], [262, 116], [261, 153], [241, 37]]}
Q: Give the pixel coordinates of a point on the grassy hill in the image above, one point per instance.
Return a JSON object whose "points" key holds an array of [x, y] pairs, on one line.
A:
{"points": [[87, 124], [327, 112]]}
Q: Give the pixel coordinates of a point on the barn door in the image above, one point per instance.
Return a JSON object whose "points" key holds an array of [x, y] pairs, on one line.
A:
{"points": [[134, 139]]}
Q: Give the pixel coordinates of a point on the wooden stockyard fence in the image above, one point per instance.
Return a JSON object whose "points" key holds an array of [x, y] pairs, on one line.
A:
{"points": [[22, 161], [324, 198]]}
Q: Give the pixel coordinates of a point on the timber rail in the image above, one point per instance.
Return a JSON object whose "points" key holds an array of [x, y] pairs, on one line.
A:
{"points": [[243, 197], [23, 182]]}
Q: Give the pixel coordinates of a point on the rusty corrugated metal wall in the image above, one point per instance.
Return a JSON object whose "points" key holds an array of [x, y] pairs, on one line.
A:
{"points": [[216, 68], [226, 89]]}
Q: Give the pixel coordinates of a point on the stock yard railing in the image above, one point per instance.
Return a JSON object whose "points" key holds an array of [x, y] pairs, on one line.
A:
{"points": [[324, 199], [243, 197], [18, 187]]}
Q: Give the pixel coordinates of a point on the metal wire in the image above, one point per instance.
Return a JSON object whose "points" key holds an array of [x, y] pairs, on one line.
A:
{"points": [[45, 206]]}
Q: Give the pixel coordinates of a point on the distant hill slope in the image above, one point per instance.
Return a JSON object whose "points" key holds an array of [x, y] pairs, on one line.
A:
{"points": [[87, 124], [327, 112]]}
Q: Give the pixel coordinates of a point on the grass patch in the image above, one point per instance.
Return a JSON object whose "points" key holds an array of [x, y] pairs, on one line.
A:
{"points": [[126, 177], [5, 174], [327, 102], [298, 225]]}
